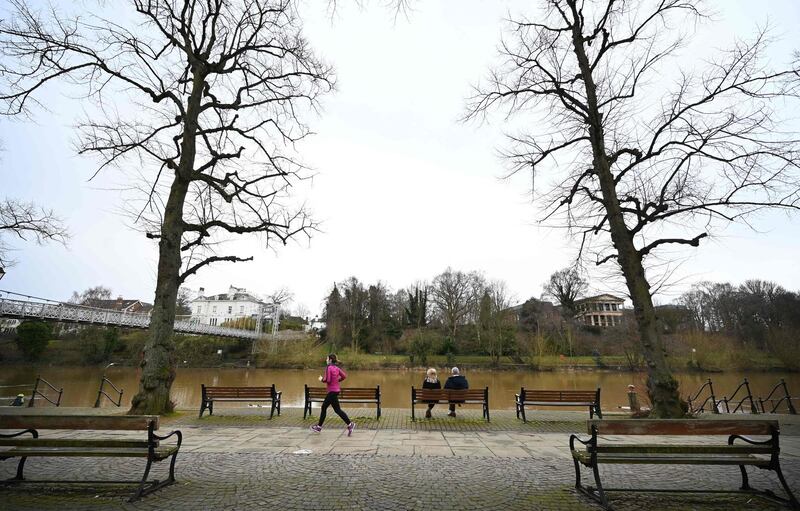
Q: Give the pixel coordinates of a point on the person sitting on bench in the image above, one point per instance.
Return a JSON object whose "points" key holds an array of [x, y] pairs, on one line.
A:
{"points": [[431, 382], [455, 382]]}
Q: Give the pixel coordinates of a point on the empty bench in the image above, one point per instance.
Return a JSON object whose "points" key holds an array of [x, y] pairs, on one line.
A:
{"points": [[733, 449], [240, 394], [363, 395], [465, 396], [528, 397], [27, 443]]}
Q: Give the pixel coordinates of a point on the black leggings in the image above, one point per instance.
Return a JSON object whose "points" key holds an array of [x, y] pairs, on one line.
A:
{"points": [[332, 399]]}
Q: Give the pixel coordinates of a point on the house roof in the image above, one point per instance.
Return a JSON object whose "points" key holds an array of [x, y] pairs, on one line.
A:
{"points": [[120, 304], [235, 297], [603, 297]]}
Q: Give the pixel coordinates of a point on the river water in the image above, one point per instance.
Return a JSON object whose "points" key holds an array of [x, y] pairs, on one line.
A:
{"points": [[81, 384]]}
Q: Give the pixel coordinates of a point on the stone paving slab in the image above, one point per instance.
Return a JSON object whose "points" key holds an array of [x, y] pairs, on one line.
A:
{"points": [[334, 482]]}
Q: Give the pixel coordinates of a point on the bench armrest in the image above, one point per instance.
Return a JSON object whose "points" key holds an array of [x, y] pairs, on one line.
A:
{"points": [[177, 433], [748, 440], [572, 439], [33, 432]]}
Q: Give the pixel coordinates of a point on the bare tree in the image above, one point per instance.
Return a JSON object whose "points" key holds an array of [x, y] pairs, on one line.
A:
{"points": [[455, 295], [218, 90], [281, 296], [26, 221], [565, 286], [636, 174], [91, 296]]}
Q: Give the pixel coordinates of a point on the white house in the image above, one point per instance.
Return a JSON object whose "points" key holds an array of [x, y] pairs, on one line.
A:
{"points": [[601, 310], [216, 309]]}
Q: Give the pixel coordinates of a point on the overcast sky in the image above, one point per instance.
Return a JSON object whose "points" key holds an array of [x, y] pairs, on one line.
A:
{"points": [[402, 189]]}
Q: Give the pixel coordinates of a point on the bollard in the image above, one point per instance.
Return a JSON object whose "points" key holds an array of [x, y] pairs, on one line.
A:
{"points": [[633, 399]]}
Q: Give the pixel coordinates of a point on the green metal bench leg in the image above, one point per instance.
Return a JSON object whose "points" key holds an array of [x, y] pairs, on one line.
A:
{"points": [[20, 468], [792, 500], [143, 484], [600, 493], [272, 410], [522, 409], [745, 480]]}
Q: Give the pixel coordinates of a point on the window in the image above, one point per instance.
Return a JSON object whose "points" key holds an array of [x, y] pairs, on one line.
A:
{"points": [[214, 309], [212, 321], [241, 309], [613, 306], [230, 309], [607, 306], [199, 309]]}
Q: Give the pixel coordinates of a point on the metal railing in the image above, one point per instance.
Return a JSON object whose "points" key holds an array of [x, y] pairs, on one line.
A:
{"points": [[748, 396], [101, 393], [693, 399], [777, 402], [40, 308], [55, 401]]}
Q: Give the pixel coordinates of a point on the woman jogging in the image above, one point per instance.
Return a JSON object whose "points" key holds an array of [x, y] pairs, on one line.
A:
{"points": [[333, 375]]}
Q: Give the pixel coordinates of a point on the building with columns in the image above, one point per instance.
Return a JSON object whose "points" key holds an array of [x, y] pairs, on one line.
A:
{"points": [[602, 310]]}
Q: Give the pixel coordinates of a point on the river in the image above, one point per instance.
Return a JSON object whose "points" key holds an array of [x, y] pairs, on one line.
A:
{"points": [[80, 384]]}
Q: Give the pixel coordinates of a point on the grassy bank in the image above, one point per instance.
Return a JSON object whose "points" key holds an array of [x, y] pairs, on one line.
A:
{"points": [[202, 351]]}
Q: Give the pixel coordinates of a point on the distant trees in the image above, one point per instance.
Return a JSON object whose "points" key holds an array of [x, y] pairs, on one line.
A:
{"points": [[455, 296], [27, 221], [565, 286], [91, 296], [416, 312], [755, 312]]}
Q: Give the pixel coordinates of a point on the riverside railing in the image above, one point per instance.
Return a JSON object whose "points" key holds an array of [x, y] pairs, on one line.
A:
{"points": [[748, 396], [702, 408], [55, 400], [100, 393], [776, 402]]}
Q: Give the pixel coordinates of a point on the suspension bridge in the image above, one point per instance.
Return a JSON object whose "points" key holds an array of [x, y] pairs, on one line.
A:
{"points": [[22, 307]]}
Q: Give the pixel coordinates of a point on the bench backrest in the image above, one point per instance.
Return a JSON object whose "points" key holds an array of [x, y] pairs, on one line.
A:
{"points": [[238, 392], [682, 427], [560, 396], [450, 394], [98, 422], [346, 393]]}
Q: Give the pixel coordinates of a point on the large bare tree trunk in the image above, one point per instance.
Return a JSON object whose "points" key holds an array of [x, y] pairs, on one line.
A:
{"points": [[158, 361], [662, 387]]}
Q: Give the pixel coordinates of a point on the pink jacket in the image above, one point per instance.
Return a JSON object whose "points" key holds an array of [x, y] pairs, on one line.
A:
{"points": [[333, 375]]}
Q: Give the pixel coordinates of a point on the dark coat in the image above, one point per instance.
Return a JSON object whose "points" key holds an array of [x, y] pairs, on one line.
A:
{"points": [[456, 383]]}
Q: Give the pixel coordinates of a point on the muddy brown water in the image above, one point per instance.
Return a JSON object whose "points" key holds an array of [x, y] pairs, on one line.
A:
{"points": [[81, 384]]}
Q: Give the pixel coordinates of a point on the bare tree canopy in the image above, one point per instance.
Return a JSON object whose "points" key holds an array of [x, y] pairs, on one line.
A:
{"points": [[216, 90], [27, 221], [91, 296], [565, 286], [455, 296], [639, 166]]}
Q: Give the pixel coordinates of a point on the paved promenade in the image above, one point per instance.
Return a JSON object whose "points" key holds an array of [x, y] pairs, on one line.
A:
{"points": [[241, 460]]}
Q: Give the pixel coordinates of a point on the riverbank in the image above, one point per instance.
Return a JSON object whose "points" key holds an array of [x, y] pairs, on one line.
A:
{"points": [[211, 352]]}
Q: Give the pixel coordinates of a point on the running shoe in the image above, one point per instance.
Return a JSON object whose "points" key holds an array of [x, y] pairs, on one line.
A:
{"points": [[316, 428], [350, 428]]}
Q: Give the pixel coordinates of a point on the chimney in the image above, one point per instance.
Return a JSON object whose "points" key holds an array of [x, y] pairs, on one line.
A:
{"points": [[201, 293]]}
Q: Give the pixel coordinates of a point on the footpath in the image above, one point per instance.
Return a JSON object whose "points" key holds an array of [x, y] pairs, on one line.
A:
{"points": [[239, 459]]}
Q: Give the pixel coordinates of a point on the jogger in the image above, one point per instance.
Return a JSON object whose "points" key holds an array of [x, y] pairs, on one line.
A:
{"points": [[333, 375]]}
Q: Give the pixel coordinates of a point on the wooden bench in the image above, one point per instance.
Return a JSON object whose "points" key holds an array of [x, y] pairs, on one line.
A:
{"points": [[347, 395], [17, 445], [590, 398], [240, 394], [758, 453], [466, 396]]}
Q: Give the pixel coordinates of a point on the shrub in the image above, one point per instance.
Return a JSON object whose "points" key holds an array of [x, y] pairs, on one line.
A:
{"points": [[32, 339]]}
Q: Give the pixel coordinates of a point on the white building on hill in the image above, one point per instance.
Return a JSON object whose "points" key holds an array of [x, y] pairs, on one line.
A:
{"points": [[235, 304]]}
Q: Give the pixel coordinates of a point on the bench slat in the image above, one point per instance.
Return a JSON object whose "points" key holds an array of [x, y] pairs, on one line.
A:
{"points": [[682, 427], [672, 459], [685, 449], [71, 442], [80, 422], [160, 452]]}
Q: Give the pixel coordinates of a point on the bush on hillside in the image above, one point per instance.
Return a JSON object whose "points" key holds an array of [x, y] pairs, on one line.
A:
{"points": [[32, 339]]}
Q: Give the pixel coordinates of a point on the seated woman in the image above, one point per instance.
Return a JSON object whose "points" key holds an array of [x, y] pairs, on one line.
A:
{"points": [[431, 382]]}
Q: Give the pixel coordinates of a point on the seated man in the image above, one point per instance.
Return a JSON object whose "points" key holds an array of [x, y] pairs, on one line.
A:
{"points": [[455, 382]]}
